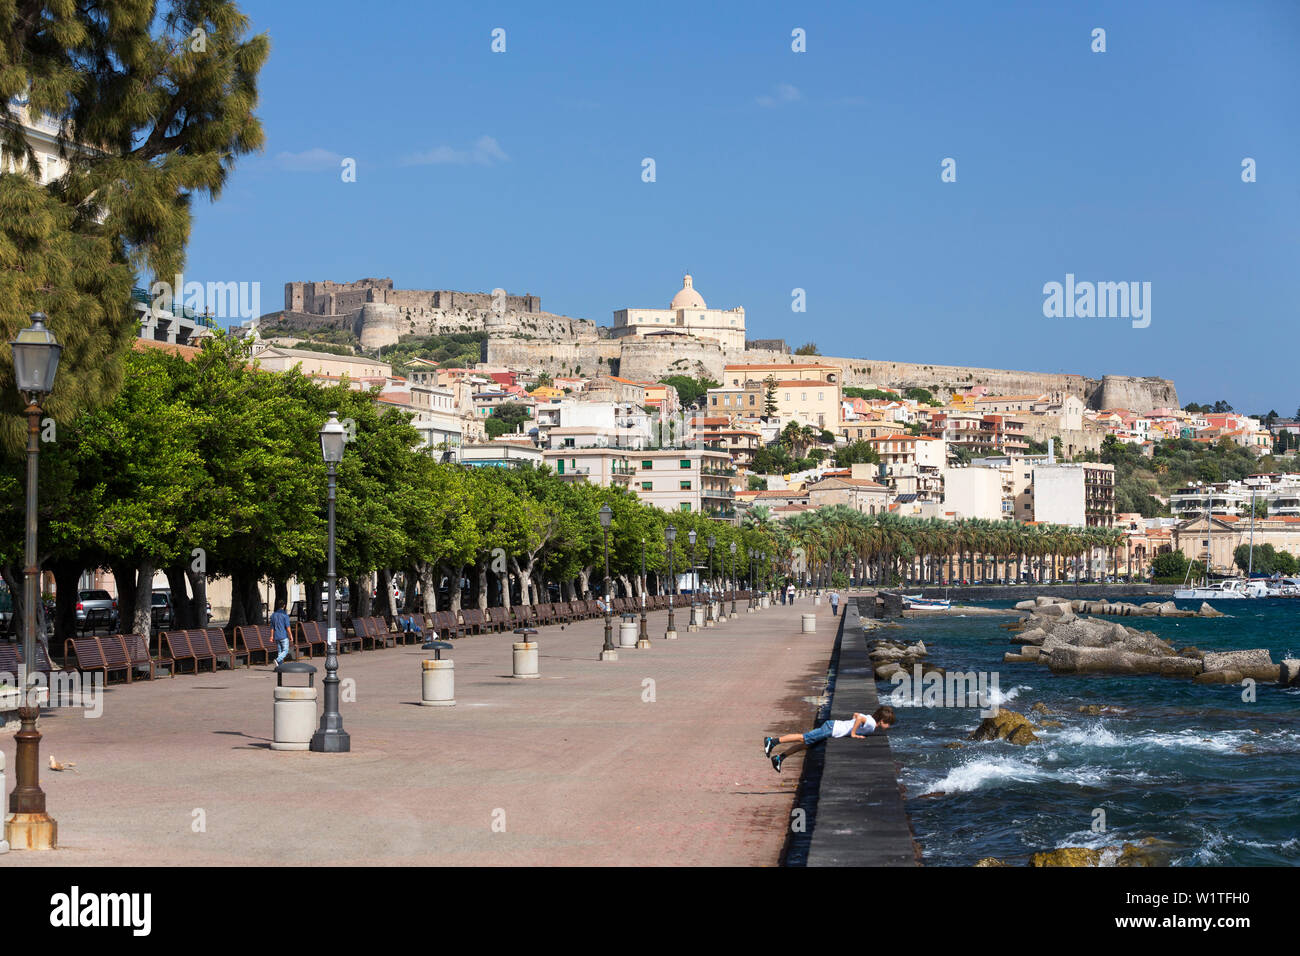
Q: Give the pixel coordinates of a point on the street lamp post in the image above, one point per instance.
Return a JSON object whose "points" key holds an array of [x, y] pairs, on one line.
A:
{"points": [[733, 579], [643, 640], [607, 653], [692, 626], [670, 535], [330, 737], [752, 555], [762, 571], [36, 362], [712, 616]]}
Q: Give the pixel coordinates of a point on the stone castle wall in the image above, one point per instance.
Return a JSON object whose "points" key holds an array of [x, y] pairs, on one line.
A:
{"points": [[376, 325]]}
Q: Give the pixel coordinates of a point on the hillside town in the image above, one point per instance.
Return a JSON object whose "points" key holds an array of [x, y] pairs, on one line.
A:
{"points": [[771, 438]]}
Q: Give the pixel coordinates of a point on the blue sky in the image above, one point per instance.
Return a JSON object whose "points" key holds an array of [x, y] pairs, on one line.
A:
{"points": [[778, 170]]}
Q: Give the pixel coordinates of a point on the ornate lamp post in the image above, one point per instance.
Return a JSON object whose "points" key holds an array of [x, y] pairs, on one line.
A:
{"points": [[36, 362], [330, 737], [733, 579], [670, 535], [692, 626], [643, 640], [608, 652], [762, 571]]}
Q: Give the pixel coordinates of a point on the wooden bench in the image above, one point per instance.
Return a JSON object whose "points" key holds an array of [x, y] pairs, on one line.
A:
{"points": [[500, 618], [522, 614], [137, 653], [253, 639], [218, 646], [309, 637], [90, 655], [545, 615], [476, 621], [181, 648], [372, 629]]}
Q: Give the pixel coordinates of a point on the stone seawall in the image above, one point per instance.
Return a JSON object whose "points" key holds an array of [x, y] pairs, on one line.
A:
{"points": [[849, 791]]}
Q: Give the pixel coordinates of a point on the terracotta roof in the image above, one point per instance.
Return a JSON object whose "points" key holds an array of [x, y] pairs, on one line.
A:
{"points": [[186, 352]]}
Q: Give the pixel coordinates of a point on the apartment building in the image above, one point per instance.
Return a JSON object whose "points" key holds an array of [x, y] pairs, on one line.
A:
{"points": [[686, 479]]}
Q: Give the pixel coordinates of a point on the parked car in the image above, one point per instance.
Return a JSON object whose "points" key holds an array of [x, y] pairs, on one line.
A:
{"points": [[96, 609], [163, 612]]}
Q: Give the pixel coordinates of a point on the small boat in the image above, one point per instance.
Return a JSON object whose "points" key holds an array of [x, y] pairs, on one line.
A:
{"points": [[916, 602], [1231, 589]]}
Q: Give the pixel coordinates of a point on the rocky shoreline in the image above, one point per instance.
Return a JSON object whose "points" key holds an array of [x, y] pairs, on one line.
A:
{"points": [[1053, 634]]}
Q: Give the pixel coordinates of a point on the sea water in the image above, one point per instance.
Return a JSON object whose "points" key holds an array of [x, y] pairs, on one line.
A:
{"points": [[1204, 769]]}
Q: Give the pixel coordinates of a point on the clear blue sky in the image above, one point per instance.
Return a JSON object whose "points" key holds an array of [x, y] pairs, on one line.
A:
{"points": [[817, 170]]}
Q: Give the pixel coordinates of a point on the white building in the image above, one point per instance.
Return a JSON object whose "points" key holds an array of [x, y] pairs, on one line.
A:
{"points": [[974, 492], [687, 314]]}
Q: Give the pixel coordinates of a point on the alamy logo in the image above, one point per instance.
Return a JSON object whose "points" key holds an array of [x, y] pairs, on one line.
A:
{"points": [[220, 300], [74, 909], [1102, 300]]}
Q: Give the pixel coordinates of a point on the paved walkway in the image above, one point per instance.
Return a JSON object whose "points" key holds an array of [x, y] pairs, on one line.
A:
{"points": [[573, 768]]}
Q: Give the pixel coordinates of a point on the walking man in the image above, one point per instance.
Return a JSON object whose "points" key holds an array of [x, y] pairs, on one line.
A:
{"points": [[789, 592], [835, 603], [280, 626]]}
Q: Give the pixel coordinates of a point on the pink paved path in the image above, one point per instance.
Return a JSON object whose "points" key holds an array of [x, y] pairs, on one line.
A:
{"points": [[585, 772]]}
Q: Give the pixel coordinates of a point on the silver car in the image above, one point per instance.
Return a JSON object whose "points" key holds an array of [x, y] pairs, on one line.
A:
{"points": [[96, 609]]}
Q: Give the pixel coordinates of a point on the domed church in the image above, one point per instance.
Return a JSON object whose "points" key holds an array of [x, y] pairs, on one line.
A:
{"points": [[686, 315]]}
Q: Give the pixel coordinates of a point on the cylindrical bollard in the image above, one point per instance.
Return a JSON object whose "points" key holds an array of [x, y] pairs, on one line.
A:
{"points": [[293, 717], [628, 631], [817, 600], [438, 683], [697, 617], [809, 623], [764, 602], [525, 654]]}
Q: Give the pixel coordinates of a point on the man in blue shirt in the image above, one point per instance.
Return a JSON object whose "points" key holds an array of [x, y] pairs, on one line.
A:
{"points": [[280, 625]]}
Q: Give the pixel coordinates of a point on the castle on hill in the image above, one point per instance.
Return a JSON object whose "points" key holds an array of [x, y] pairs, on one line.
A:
{"points": [[645, 344]]}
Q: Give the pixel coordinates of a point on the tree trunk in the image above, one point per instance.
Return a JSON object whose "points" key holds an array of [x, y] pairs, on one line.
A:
{"points": [[199, 594], [183, 610], [66, 574], [141, 620], [428, 586]]}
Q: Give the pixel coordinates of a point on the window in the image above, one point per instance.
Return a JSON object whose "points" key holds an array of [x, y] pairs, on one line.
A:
{"points": [[647, 486], [819, 396], [787, 396], [686, 506], [647, 465], [686, 486], [686, 463], [751, 399], [803, 396], [713, 400]]}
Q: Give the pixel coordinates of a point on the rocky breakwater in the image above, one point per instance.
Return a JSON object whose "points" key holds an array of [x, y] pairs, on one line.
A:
{"points": [[889, 657], [1052, 633]]}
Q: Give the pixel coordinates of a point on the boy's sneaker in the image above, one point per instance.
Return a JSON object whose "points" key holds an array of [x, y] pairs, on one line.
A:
{"points": [[776, 762], [768, 744]]}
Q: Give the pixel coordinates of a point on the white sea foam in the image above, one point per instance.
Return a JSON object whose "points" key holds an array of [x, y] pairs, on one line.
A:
{"points": [[1098, 735]]}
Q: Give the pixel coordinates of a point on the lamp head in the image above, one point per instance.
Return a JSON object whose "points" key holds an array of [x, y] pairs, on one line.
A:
{"points": [[733, 547], [606, 516], [713, 540], [36, 359], [690, 535], [670, 533], [332, 439]]}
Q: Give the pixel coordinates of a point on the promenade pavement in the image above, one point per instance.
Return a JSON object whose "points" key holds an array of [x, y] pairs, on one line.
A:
{"points": [[579, 767]]}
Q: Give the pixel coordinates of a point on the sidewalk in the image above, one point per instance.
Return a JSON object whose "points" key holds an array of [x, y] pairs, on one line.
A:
{"points": [[575, 766]]}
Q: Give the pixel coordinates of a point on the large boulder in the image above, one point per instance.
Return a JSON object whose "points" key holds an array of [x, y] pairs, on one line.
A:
{"points": [[1289, 673], [1026, 605], [1006, 725], [1067, 856], [1207, 611], [1256, 663], [1034, 635], [1112, 660], [1061, 612], [887, 670], [1220, 677]]}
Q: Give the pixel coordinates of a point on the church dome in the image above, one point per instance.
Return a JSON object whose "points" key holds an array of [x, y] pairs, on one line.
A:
{"points": [[687, 298]]}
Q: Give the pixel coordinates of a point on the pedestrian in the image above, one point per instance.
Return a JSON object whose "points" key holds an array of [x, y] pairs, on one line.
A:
{"points": [[789, 592], [280, 627], [835, 603], [881, 718], [409, 625]]}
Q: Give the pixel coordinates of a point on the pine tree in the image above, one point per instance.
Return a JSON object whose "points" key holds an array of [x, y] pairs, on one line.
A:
{"points": [[153, 108]]}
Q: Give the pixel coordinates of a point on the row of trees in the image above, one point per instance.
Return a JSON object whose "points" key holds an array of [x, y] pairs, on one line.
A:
{"points": [[888, 549], [212, 467]]}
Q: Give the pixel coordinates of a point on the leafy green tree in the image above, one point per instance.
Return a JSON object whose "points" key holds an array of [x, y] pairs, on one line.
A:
{"points": [[690, 391], [769, 397], [808, 348], [1172, 565], [856, 452]]}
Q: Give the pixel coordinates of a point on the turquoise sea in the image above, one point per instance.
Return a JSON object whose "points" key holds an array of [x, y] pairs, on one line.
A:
{"points": [[1210, 775]]}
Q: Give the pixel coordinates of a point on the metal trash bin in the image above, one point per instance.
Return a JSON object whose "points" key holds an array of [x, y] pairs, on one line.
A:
{"points": [[525, 654], [628, 631], [437, 676], [293, 717]]}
